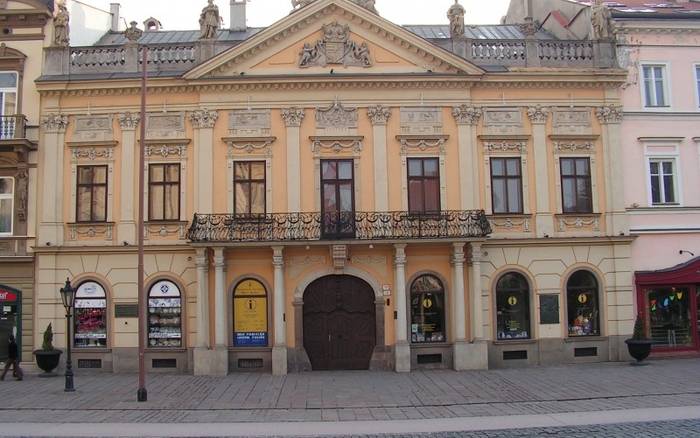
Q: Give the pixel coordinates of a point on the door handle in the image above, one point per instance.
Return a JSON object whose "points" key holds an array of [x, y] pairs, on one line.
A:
{"points": [[329, 337]]}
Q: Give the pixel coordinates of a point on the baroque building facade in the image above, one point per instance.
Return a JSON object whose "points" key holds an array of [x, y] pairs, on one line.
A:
{"points": [[337, 192], [657, 45]]}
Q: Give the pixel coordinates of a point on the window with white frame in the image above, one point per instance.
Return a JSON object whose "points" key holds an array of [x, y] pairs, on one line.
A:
{"points": [[8, 104], [697, 83], [7, 196], [655, 85], [663, 181]]}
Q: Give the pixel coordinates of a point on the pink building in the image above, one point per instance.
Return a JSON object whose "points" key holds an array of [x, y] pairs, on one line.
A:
{"points": [[658, 43]]}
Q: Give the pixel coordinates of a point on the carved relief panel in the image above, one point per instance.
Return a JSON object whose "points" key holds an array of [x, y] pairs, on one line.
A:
{"points": [[503, 121], [421, 121], [93, 128], [165, 125], [572, 121], [336, 48]]}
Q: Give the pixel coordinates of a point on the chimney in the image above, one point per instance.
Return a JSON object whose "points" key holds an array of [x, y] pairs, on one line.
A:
{"points": [[238, 21], [114, 10]]}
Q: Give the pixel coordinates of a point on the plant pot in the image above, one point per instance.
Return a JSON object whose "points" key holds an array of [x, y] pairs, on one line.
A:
{"points": [[47, 360], [639, 348]]}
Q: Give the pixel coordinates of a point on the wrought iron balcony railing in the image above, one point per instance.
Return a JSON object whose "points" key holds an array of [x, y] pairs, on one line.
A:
{"points": [[13, 127], [280, 227]]}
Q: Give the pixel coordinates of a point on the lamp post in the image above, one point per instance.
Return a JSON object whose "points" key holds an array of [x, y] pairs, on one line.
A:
{"points": [[68, 297]]}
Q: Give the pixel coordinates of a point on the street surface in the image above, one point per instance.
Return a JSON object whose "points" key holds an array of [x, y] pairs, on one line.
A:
{"points": [[611, 399]]}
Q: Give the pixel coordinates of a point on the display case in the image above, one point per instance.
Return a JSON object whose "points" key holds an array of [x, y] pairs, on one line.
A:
{"points": [[90, 316], [164, 316]]}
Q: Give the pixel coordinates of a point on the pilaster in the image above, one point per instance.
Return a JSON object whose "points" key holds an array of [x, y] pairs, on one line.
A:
{"points": [[610, 118], [292, 118], [467, 117], [402, 350], [476, 304], [279, 349], [379, 116], [220, 306], [458, 307], [126, 229], [544, 219], [52, 199], [203, 122]]}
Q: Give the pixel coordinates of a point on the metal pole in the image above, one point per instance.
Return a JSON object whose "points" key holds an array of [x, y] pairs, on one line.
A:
{"points": [[142, 394], [69, 365]]}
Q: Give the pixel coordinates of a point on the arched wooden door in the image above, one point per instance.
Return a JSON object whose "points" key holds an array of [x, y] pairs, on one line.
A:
{"points": [[339, 323]]}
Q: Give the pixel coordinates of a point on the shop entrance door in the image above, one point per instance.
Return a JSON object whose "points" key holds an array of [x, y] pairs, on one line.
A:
{"points": [[339, 323], [9, 318]]}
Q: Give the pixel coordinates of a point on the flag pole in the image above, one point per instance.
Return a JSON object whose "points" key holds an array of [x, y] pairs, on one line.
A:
{"points": [[142, 394]]}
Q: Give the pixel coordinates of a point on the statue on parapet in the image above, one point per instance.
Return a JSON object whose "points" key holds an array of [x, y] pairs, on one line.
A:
{"points": [[209, 21], [61, 25], [456, 16], [133, 33], [301, 3], [602, 23]]}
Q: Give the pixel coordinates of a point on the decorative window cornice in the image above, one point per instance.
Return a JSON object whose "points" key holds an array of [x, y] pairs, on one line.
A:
{"points": [[379, 115], [573, 146], [466, 115], [92, 151], [336, 144], [249, 145], [293, 116], [519, 146], [422, 143], [165, 151]]}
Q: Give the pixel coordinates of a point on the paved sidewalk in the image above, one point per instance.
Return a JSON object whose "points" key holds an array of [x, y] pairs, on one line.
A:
{"points": [[353, 396]]}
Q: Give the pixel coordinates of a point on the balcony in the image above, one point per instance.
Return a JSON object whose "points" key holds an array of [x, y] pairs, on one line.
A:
{"points": [[13, 127], [366, 226]]}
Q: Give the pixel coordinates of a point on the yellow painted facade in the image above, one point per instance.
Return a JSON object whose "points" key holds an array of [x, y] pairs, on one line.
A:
{"points": [[538, 115]]}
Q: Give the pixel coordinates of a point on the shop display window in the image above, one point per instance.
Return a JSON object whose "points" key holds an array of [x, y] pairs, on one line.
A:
{"points": [[427, 310], [513, 307], [670, 322], [90, 316], [582, 304], [164, 315]]}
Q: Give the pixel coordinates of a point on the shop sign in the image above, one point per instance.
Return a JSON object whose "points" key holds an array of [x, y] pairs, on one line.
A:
{"points": [[250, 314], [6, 295], [165, 289]]}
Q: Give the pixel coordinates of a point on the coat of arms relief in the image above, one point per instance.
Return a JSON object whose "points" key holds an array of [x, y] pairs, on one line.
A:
{"points": [[336, 47]]}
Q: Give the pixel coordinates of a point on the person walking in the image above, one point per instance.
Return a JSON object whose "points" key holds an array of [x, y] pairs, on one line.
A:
{"points": [[12, 360]]}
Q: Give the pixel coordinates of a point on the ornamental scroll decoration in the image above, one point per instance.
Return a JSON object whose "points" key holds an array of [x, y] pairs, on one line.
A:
{"points": [[609, 114], [293, 116], [204, 119], [55, 122], [165, 151], [92, 154], [537, 114], [510, 224], [579, 222], [336, 116], [422, 143], [573, 146], [249, 145], [336, 47], [379, 115], [466, 115], [336, 144], [505, 146], [129, 120]]}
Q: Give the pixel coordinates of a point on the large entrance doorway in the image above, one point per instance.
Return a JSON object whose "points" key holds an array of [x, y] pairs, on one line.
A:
{"points": [[339, 323]]}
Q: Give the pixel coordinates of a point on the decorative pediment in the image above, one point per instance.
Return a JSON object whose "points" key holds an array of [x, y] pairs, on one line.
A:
{"points": [[336, 119], [335, 34], [249, 145], [422, 143], [336, 145]]}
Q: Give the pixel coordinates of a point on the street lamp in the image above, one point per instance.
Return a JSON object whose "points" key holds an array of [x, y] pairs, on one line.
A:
{"points": [[68, 297]]}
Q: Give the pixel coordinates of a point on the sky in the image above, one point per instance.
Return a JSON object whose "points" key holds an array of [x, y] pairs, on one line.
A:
{"points": [[183, 14]]}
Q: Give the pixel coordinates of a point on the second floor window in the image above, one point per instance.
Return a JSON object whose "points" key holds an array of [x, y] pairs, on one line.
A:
{"points": [[663, 186], [164, 192], [7, 197], [576, 189], [8, 93], [655, 94], [423, 185], [249, 187], [506, 185], [92, 194], [697, 83]]}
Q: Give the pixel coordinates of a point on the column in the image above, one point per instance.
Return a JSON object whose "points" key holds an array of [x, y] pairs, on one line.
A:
{"points": [[220, 306], [292, 118], [202, 265], [51, 160], [467, 118], [459, 319], [616, 220], [279, 349], [402, 350], [379, 116], [126, 229], [475, 303], [203, 122], [544, 219]]}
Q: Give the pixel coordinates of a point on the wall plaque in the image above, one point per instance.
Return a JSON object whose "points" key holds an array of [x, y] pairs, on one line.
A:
{"points": [[549, 309]]}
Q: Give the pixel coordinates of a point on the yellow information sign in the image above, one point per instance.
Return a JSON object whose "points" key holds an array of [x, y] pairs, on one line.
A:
{"points": [[250, 315], [249, 288]]}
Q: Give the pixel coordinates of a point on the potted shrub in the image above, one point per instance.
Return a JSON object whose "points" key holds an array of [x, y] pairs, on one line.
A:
{"points": [[47, 358], [639, 346]]}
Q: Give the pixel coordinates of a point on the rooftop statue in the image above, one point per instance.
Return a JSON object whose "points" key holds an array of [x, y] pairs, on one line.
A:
{"points": [[61, 29], [209, 21], [301, 3], [602, 22], [133, 33], [456, 16]]}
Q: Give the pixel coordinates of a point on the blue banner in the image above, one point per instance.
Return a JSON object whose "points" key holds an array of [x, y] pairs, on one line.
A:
{"points": [[250, 339]]}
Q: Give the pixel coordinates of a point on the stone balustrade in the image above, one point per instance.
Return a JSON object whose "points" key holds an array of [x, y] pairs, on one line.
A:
{"points": [[183, 56]]}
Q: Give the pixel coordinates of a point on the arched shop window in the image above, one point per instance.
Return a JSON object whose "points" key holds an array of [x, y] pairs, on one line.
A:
{"points": [[164, 315], [427, 310], [250, 314], [582, 304], [90, 316], [513, 307]]}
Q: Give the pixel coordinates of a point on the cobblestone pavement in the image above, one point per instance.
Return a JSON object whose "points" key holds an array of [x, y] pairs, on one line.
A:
{"points": [[352, 396]]}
